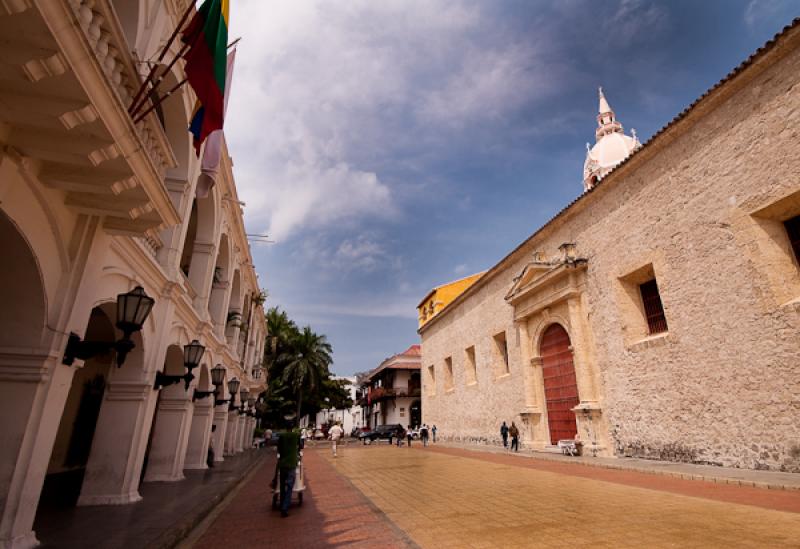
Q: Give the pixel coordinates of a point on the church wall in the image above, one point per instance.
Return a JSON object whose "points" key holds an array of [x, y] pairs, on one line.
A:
{"points": [[721, 385]]}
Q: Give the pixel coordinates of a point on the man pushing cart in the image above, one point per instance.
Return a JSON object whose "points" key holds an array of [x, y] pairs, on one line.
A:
{"points": [[289, 476]]}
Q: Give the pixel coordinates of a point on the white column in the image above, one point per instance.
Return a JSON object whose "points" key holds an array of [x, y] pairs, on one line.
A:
{"points": [[33, 390], [240, 434], [221, 421], [230, 436], [200, 433], [201, 272], [119, 444], [171, 435]]}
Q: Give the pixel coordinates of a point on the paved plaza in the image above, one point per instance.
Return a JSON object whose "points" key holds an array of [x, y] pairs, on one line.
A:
{"points": [[382, 496]]}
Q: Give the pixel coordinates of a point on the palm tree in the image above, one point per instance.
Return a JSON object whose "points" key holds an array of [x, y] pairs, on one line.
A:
{"points": [[305, 364]]}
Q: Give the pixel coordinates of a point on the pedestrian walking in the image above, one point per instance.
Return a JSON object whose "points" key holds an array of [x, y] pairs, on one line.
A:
{"points": [[504, 434], [409, 436], [401, 433], [286, 467], [514, 432], [433, 432], [423, 434], [335, 433]]}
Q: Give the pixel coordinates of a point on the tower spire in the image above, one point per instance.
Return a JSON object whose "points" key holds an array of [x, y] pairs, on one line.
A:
{"points": [[606, 120], [604, 106]]}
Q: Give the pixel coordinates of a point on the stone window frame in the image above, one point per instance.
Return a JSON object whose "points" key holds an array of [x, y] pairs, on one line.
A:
{"points": [[470, 366], [769, 241], [501, 359], [432, 380], [636, 330], [449, 380]]}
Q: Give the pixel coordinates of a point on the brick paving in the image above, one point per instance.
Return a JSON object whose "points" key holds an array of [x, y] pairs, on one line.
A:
{"points": [[454, 498], [333, 514], [780, 500]]}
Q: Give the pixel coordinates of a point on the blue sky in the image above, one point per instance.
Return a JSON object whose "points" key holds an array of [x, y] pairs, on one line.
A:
{"points": [[389, 147]]}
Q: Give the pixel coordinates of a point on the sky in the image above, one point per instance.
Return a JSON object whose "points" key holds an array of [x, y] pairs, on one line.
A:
{"points": [[390, 147]]}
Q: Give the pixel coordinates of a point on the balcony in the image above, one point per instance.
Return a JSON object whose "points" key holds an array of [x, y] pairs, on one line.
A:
{"points": [[66, 80]]}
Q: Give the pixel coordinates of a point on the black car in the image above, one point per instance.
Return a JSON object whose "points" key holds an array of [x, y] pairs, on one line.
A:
{"points": [[380, 432]]}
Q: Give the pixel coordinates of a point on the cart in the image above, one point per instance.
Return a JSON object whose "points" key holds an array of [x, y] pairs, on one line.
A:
{"points": [[299, 485]]}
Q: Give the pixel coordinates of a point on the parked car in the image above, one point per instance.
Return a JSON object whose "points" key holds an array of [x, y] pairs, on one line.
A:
{"points": [[380, 432]]}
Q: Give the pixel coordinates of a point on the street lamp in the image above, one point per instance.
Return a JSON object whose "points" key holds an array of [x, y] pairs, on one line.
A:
{"points": [[192, 354], [217, 378], [233, 388], [133, 309]]}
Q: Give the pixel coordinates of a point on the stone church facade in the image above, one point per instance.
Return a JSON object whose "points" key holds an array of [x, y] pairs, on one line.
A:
{"points": [[658, 315]]}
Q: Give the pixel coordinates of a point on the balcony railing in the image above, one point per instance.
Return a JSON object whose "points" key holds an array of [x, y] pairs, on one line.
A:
{"points": [[104, 33]]}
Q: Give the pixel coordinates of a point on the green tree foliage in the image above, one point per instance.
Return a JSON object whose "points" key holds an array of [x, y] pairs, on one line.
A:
{"points": [[298, 363]]}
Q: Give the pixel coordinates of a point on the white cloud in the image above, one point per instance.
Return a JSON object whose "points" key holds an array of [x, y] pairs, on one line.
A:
{"points": [[758, 11], [323, 91], [460, 269]]}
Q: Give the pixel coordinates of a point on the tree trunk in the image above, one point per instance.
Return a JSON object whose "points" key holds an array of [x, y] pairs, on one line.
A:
{"points": [[299, 404]]}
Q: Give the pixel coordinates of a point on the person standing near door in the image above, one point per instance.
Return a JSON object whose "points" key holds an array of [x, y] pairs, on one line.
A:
{"points": [[504, 434], [514, 432]]}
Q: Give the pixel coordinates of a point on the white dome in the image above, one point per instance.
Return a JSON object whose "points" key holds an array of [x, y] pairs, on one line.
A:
{"points": [[610, 151]]}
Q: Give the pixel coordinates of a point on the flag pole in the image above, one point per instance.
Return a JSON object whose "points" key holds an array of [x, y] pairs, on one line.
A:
{"points": [[171, 91], [161, 99], [150, 75], [132, 111]]}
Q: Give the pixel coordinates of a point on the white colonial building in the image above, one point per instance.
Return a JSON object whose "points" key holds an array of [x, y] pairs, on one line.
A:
{"points": [[93, 205]]}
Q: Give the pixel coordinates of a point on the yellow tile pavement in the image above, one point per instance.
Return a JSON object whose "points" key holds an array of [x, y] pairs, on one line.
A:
{"points": [[444, 501]]}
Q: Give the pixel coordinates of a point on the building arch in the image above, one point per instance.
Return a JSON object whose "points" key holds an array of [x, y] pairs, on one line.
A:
{"points": [[235, 317], [23, 316], [219, 284], [73, 442], [560, 382]]}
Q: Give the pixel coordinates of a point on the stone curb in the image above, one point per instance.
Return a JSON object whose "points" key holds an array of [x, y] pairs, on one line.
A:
{"points": [[623, 467], [179, 531]]}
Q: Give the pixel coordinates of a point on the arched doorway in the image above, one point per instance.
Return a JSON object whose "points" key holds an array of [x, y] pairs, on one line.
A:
{"points": [[415, 413], [560, 383], [73, 442]]}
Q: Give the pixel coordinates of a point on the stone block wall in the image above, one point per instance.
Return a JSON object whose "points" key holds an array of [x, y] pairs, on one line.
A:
{"points": [[703, 205]]}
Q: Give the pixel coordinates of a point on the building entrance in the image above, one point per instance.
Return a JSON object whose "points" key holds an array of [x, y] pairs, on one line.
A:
{"points": [[560, 383]]}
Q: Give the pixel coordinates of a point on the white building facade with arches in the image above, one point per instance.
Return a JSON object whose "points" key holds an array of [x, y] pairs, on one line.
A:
{"points": [[92, 205]]}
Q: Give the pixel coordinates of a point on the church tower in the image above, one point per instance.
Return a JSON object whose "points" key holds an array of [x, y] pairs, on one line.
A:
{"points": [[612, 145]]}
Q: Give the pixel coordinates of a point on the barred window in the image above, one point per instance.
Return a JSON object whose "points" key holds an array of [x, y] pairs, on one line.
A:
{"points": [[653, 309]]}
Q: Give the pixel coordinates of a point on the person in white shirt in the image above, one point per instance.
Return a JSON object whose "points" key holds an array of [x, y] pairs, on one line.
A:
{"points": [[335, 433]]}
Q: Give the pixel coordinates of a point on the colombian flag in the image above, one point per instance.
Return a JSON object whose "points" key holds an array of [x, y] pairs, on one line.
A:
{"points": [[206, 66]]}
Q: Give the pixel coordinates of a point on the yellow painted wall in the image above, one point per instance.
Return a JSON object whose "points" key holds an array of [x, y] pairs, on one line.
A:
{"points": [[438, 298]]}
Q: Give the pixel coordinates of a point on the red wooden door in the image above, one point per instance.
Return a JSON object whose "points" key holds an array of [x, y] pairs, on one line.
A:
{"points": [[560, 384]]}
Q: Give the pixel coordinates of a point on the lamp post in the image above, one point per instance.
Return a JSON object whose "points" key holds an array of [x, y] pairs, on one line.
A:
{"points": [[133, 308], [233, 388], [192, 354], [217, 378]]}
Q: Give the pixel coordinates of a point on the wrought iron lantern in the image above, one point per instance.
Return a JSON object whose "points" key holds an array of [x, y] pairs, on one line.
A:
{"points": [[217, 379], [233, 388], [192, 354], [133, 308]]}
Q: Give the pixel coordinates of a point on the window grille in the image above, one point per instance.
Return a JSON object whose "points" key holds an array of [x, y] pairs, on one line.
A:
{"points": [[793, 230], [653, 309]]}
